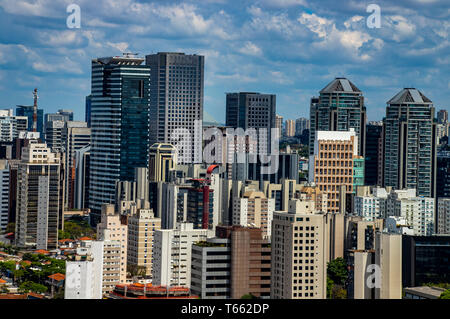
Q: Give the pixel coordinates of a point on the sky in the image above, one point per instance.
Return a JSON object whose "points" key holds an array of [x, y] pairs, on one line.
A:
{"points": [[291, 48]]}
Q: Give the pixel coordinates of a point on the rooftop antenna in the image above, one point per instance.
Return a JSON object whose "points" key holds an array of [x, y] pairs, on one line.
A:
{"points": [[35, 96]]}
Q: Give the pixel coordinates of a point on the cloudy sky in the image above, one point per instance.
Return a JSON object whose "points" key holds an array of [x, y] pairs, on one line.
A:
{"points": [[291, 48]]}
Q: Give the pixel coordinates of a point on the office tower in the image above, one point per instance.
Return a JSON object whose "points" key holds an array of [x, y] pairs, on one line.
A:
{"points": [[38, 198], [75, 136], [388, 256], [141, 229], [442, 116], [87, 110], [172, 254], [119, 124], [11, 126], [373, 164], [111, 228], [25, 110], [425, 260], [299, 252], [252, 111], [4, 194], [84, 272], [68, 115], [53, 136], [176, 102], [333, 166], [243, 258], [209, 258], [339, 107], [410, 143], [443, 216], [290, 128], [81, 185], [443, 174], [301, 124], [161, 161], [254, 209]]}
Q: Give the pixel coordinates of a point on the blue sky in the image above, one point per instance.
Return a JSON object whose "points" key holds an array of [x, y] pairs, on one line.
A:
{"points": [[291, 48]]}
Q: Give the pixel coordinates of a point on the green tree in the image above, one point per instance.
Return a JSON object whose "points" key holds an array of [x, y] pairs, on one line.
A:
{"points": [[28, 286], [445, 294], [337, 271], [248, 296]]}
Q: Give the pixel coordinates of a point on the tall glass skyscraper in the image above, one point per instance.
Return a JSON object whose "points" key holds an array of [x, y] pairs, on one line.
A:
{"points": [[26, 110], [176, 101], [120, 101], [339, 107], [410, 143]]}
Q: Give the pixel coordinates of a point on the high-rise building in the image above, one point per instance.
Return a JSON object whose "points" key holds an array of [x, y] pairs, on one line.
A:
{"points": [[301, 124], [81, 185], [299, 252], [172, 254], [335, 166], [25, 110], [38, 198], [443, 216], [53, 136], [410, 143], [119, 124], [142, 225], [279, 124], [84, 272], [4, 194], [11, 126], [87, 111], [162, 160], [443, 174], [339, 107], [373, 163], [75, 136], [442, 116], [254, 209], [388, 256], [200, 205], [247, 110], [111, 229], [290, 128], [176, 102]]}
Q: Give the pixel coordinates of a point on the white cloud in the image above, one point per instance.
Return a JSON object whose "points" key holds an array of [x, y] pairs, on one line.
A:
{"points": [[251, 49]]}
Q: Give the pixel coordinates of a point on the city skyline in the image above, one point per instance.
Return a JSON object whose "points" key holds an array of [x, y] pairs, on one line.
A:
{"points": [[288, 48]]}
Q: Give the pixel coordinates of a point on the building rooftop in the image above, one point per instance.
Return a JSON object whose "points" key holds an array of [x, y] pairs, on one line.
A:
{"points": [[340, 85], [425, 291], [409, 95]]}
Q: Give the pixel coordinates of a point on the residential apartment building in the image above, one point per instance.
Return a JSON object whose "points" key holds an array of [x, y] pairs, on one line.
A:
{"points": [[142, 225], [299, 252], [290, 128], [443, 216], [172, 254]]}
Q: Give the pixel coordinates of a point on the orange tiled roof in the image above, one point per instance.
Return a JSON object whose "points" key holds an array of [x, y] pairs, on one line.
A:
{"points": [[2, 281], [57, 277], [85, 238], [42, 251], [67, 240], [27, 262]]}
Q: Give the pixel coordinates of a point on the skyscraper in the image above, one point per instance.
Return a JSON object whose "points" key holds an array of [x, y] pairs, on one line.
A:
{"points": [[26, 110], [374, 154], [301, 124], [252, 111], [176, 101], [279, 124], [290, 128], [442, 116], [38, 198], [339, 107], [410, 143], [119, 123], [162, 160]]}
